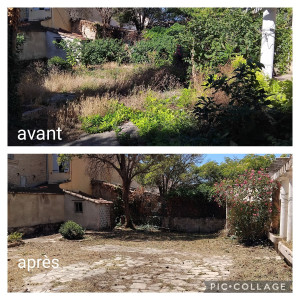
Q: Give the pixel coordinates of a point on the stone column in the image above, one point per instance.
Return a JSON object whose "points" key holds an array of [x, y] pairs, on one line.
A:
{"points": [[284, 194], [290, 213], [268, 41]]}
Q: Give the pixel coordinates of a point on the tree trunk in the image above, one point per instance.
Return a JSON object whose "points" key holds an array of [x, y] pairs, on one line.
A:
{"points": [[125, 196], [194, 76]]}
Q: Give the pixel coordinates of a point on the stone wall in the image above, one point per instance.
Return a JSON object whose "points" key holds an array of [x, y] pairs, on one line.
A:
{"points": [[86, 28], [31, 209], [197, 207], [201, 225], [27, 170]]}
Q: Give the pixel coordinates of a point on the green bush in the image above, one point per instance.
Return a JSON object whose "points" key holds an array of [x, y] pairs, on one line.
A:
{"points": [[14, 237], [249, 205], [71, 231], [73, 49], [212, 39], [159, 51], [59, 63], [250, 118], [104, 50], [284, 40]]}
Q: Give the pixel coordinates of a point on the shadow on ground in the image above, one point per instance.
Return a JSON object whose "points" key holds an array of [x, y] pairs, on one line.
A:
{"points": [[143, 235]]}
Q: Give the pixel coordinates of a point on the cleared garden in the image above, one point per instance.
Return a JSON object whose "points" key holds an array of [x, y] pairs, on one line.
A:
{"points": [[141, 261]]}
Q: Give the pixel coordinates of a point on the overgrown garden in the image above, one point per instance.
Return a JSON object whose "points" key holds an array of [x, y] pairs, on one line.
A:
{"points": [[192, 77]]}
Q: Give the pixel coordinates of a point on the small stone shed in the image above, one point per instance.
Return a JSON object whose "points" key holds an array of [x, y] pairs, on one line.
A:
{"points": [[90, 213]]}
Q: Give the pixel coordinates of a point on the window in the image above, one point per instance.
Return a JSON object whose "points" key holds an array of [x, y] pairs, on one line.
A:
{"points": [[11, 156], [59, 168], [78, 207]]}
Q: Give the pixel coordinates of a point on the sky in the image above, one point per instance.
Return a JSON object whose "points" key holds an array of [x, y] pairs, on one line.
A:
{"points": [[219, 158]]}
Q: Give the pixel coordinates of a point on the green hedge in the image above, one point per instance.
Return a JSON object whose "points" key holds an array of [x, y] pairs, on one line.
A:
{"points": [[104, 50]]}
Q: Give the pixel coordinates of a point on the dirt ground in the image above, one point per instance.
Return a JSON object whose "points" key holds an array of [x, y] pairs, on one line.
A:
{"points": [[137, 261]]}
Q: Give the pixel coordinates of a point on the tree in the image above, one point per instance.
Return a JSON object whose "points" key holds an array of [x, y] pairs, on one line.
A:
{"points": [[169, 171], [128, 166], [212, 172], [106, 14], [141, 17], [14, 106]]}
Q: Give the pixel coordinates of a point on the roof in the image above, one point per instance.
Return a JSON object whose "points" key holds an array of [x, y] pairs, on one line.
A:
{"points": [[71, 35], [82, 197], [281, 166], [37, 27], [40, 189]]}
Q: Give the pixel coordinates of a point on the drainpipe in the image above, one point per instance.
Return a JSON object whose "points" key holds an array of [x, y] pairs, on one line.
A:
{"points": [[47, 173], [268, 41]]}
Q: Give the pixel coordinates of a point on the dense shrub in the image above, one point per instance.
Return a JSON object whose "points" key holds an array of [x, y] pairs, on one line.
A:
{"points": [[280, 93], [249, 118], [104, 50], [73, 49], [248, 199], [284, 40], [71, 231], [159, 51], [212, 39], [59, 63]]}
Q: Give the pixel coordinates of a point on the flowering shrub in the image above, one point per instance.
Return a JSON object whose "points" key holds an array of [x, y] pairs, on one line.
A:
{"points": [[249, 205]]}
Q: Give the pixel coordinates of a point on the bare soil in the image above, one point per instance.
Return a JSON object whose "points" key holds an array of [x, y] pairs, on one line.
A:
{"points": [[138, 261]]}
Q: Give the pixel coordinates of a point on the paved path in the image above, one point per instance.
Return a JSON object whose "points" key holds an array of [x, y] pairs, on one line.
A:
{"points": [[134, 269]]}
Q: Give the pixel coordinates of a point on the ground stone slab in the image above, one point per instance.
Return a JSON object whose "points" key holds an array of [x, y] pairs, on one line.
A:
{"points": [[137, 269]]}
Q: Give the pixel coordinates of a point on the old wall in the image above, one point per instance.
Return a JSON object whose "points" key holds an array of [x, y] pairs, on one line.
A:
{"points": [[30, 209], [59, 19], [35, 46], [201, 225], [93, 216], [198, 207], [29, 169], [81, 180]]}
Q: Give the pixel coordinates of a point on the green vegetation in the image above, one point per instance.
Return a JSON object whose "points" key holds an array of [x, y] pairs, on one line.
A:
{"points": [[104, 50], [59, 63], [189, 76], [71, 230], [251, 105], [14, 237], [284, 40], [249, 205], [158, 124]]}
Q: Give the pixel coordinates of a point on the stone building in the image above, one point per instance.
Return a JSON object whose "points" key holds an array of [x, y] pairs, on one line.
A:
{"points": [[43, 26], [90, 213], [37, 203]]}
